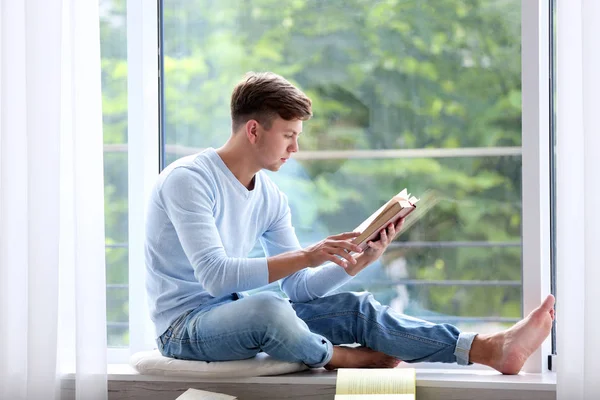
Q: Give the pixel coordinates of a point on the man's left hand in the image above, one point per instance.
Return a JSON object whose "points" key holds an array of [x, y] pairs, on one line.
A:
{"points": [[375, 249]]}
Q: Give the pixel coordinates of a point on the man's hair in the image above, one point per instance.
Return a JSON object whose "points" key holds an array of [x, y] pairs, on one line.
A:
{"points": [[263, 96]]}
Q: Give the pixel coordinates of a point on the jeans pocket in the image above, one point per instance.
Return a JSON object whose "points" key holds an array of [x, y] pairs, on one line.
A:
{"points": [[160, 345], [178, 327]]}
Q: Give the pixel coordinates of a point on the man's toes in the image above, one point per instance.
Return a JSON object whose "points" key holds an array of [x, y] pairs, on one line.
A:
{"points": [[392, 362], [548, 304]]}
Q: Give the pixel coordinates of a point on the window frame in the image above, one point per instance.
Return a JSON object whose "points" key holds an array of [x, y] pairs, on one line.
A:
{"points": [[142, 162], [143, 54], [535, 134]]}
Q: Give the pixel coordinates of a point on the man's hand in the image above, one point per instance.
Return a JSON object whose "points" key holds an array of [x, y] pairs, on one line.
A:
{"points": [[335, 248], [375, 249]]}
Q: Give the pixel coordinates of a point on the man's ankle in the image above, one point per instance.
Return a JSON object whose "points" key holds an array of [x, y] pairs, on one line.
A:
{"points": [[484, 350]]}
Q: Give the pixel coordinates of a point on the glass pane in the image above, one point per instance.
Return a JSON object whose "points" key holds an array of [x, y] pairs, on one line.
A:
{"points": [[382, 75], [470, 235], [113, 41]]}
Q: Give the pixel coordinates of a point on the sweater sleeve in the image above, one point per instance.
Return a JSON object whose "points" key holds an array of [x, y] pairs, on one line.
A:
{"points": [[189, 201], [308, 283]]}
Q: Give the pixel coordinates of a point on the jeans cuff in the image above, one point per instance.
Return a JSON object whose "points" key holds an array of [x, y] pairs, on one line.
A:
{"points": [[327, 357], [463, 347]]}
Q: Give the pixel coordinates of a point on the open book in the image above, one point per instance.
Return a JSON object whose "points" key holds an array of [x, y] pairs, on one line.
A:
{"points": [[375, 384], [397, 207]]}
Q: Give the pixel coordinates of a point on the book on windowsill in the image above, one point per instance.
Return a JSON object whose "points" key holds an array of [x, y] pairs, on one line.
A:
{"points": [[399, 206], [196, 394], [375, 384]]}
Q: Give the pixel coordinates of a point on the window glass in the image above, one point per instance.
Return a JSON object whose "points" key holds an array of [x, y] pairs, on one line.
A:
{"points": [[385, 76]]}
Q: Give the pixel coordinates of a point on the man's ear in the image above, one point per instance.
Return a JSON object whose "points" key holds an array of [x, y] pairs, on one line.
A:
{"points": [[252, 131]]}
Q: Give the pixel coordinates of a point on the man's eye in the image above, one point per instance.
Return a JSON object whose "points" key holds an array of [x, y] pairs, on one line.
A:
{"points": [[289, 136]]}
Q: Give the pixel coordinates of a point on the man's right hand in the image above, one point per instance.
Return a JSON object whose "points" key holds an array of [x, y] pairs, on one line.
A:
{"points": [[334, 248]]}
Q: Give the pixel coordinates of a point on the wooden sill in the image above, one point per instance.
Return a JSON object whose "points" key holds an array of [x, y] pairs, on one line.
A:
{"points": [[125, 383]]}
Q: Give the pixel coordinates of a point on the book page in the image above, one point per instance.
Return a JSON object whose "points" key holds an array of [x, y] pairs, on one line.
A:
{"points": [[374, 397], [402, 195], [375, 381], [195, 394], [428, 200], [365, 224]]}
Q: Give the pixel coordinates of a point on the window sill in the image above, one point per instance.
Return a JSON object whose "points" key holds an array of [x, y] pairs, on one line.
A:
{"points": [[443, 378], [126, 383]]}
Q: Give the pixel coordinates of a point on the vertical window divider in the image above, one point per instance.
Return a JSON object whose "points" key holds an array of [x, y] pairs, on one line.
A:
{"points": [[143, 155], [535, 71]]}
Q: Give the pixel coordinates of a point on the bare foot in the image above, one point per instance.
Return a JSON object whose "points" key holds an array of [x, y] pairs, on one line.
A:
{"points": [[360, 357], [507, 351]]}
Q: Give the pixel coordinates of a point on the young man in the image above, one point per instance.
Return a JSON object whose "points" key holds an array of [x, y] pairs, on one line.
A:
{"points": [[206, 213]]}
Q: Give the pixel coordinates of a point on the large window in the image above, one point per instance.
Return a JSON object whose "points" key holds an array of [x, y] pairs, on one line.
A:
{"points": [[418, 94]]}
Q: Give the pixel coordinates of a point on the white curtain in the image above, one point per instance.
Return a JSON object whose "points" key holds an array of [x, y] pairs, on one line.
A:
{"points": [[52, 273], [578, 203]]}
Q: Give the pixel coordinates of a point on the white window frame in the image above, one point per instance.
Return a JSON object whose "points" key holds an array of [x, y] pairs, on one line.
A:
{"points": [[535, 73], [143, 167], [143, 162]]}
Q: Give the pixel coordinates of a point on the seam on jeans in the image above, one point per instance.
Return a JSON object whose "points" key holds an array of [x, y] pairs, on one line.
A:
{"points": [[380, 327], [430, 356], [211, 338], [216, 338]]}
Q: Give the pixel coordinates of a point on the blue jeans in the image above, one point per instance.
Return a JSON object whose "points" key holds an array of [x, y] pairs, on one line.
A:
{"points": [[234, 328]]}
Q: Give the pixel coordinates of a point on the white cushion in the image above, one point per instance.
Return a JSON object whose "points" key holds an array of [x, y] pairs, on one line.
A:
{"points": [[154, 363]]}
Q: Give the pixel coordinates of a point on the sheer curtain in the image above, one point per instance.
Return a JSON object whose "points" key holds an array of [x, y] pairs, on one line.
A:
{"points": [[578, 212], [52, 274]]}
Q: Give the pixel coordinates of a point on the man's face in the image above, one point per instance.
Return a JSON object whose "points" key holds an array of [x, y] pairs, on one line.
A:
{"points": [[276, 145]]}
